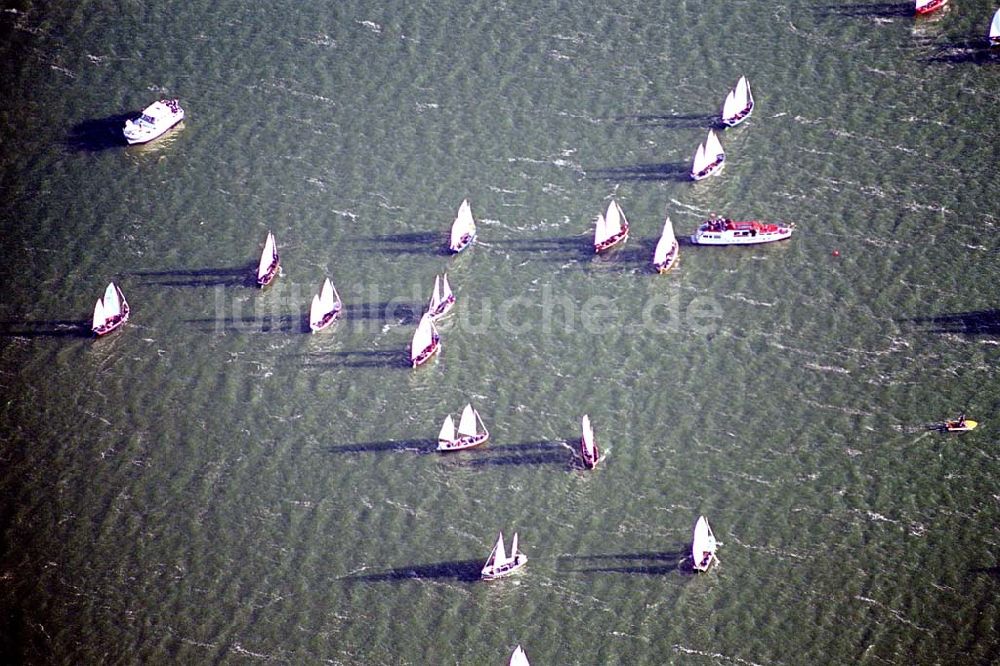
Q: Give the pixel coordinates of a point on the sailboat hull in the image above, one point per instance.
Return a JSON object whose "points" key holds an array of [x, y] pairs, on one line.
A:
{"points": [[463, 242], [617, 239], [113, 324], [671, 260], [427, 353], [589, 461], [735, 120], [325, 321], [463, 442], [711, 170], [443, 308], [960, 426], [269, 276], [505, 569]]}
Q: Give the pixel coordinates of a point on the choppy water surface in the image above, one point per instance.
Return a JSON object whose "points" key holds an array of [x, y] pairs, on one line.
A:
{"points": [[212, 484]]}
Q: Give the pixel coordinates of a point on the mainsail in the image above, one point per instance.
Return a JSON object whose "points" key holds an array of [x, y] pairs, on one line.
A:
{"points": [[267, 257], [463, 225], [666, 243], [423, 337], [112, 306], [447, 434], [467, 424]]}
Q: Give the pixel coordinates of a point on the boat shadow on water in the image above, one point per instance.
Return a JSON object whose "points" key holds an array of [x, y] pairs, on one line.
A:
{"points": [[651, 564], [566, 248], [418, 242], [52, 328], [230, 276], [386, 359], [419, 446], [675, 121], [268, 324], [461, 570], [677, 171], [965, 52], [98, 134], [550, 452], [973, 323], [400, 312], [873, 10]]}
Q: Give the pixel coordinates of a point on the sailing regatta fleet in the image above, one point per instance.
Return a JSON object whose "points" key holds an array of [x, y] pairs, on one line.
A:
{"points": [[611, 229]]}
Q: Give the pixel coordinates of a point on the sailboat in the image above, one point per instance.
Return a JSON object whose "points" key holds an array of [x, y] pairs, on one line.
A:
{"points": [[703, 546], [738, 105], [442, 300], [612, 228], [469, 433], [499, 564], [518, 658], [326, 307], [995, 30], [928, 6], [111, 311], [667, 249], [589, 452], [426, 341], [463, 229], [709, 158], [267, 269]]}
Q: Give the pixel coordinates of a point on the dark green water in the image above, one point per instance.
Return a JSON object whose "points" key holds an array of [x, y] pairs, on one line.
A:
{"points": [[213, 485]]}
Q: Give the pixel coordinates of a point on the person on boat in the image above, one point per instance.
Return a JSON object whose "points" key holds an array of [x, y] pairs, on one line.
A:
{"points": [[961, 421]]}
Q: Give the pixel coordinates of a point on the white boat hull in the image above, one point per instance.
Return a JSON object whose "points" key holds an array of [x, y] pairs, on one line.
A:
{"points": [[727, 232], [154, 122]]}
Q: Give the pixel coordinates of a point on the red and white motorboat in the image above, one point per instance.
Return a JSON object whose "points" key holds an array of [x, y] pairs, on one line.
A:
{"points": [[723, 231]]}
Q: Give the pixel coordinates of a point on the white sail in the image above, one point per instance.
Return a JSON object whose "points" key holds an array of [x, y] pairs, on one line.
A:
{"points": [[513, 547], [519, 658], [700, 160], [467, 424], [435, 299], [602, 230], [447, 433], [326, 296], [422, 337], [463, 224], [100, 316], [588, 436], [446, 291], [499, 552], [995, 27], [702, 544], [316, 310], [730, 107], [666, 243], [325, 303], [614, 218], [112, 305], [497, 556], [712, 147], [738, 99], [267, 256]]}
